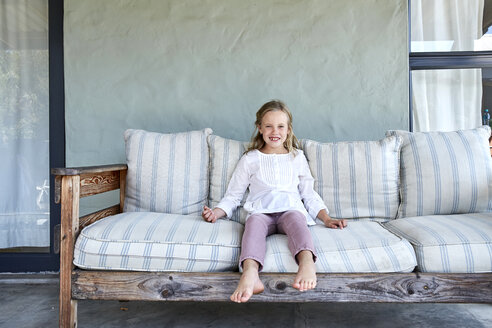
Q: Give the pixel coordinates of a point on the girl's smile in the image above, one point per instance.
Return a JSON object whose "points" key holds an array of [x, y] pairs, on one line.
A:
{"points": [[274, 129]]}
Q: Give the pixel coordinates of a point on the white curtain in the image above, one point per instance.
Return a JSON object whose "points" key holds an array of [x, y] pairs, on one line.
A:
{"points": [[24, 124], [446, 100]]}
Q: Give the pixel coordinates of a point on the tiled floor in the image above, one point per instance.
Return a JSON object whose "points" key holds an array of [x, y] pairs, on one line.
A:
{"points": [[32, 301]]}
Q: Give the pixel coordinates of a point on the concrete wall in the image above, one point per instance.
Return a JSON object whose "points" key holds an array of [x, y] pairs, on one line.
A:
{"points": [[176, 65]]}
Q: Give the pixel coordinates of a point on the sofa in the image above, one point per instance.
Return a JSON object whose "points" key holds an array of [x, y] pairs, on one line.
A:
{"points": [[418, 205]]}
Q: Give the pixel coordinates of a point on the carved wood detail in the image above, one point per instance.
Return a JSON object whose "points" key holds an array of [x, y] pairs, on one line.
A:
{"points": [[91, 184]]}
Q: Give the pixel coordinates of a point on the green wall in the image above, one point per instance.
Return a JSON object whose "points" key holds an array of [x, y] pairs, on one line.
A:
{"points": [[177, 65]]}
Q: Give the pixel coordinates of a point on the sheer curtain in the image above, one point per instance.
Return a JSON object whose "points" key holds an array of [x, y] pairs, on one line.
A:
{"points": [[24, 124], [446, 100]]}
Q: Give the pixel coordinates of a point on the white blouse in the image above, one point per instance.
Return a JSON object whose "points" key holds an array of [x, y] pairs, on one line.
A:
{"points": [[277, 183]]}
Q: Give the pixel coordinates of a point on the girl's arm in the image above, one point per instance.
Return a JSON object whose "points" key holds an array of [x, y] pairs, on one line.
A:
{"points": [[312, 200], [235, 191]]}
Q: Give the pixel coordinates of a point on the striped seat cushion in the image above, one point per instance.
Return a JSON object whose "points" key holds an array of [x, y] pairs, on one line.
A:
{"points": [[224, 156], [356, 180], [145, 241], [363, 246], [445, 172], [456, 243], [167, 173]]}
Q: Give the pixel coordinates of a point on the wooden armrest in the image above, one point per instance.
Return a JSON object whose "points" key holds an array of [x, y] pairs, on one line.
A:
{"points": [[71, 184], [93, 179], [88, 169]]}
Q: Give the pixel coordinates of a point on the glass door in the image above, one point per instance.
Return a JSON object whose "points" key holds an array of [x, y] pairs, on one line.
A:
{"points": [[27, 230]]}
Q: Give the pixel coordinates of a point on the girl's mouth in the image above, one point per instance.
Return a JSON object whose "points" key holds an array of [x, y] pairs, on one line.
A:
{"points": [[274, 138]]}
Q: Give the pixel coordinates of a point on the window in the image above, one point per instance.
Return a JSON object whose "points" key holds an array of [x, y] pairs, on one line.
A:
{"points": [[450, 63], [32, 128], [24, 127]]}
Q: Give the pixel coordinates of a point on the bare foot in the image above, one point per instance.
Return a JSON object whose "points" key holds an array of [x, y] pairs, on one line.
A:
{"points": [[306, 275], [249, 284]]}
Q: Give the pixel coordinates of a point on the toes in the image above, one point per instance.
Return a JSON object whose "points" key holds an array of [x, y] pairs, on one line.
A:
{"points": [[299, 285], [241, 296], [245, 297], [237, 297], [304, 285]]}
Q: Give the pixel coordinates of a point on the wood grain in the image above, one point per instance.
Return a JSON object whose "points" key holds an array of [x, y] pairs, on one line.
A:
{"points": [[88, 169], [122, 189], [96, 183], [88, 219], [391, 287], [58, 179], [70, 192]]}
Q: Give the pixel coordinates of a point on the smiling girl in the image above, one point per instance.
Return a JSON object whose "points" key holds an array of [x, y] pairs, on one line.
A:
{"points": [[281, 200]]}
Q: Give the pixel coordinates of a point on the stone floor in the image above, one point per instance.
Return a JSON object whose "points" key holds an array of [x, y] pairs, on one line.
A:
{"points": [[32, 301]]}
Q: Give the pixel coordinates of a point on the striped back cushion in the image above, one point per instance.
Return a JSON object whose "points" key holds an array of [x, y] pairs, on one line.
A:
{"points": [[167, 173], [356, 180], [224, 155], [445, 172]]}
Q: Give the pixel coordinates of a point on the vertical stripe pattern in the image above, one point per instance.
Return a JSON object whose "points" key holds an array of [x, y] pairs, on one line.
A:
{"points": [[357, 180], [445, 172], [224, 156], [167, 173]]}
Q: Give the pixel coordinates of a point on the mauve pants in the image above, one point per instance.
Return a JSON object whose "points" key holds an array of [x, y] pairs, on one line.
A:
{"points": [[259, 226]]}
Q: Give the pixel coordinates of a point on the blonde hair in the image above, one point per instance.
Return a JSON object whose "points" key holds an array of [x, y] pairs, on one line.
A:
{"points": [[291, 144]]}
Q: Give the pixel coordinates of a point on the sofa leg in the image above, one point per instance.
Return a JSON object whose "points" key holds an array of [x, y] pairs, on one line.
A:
{"points": [[70, 192], [68, 313]]}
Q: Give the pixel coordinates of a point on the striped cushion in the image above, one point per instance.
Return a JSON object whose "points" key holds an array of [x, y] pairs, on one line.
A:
{"points": [[356, 179], [445, 172], [144, 241], [224, 155], [167, 173], [362, 246], [449, 243]]}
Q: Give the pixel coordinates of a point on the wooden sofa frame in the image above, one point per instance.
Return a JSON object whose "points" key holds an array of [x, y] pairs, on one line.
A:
{"points": [[71, 184]]}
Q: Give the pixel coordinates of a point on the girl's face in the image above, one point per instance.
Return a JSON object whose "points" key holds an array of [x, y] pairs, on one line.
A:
{"points": [[274, 129]]}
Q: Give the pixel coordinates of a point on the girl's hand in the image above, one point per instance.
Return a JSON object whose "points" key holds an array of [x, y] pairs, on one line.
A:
{"points": [[335, 224], [209, 215], [329, 222]]}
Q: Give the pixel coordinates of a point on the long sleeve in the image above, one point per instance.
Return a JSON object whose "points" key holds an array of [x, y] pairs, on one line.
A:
{"points": [[312, 200], [237, 187]]}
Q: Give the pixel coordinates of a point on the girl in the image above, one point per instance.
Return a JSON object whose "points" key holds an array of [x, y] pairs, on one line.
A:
{"points": [[281, 200]]}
